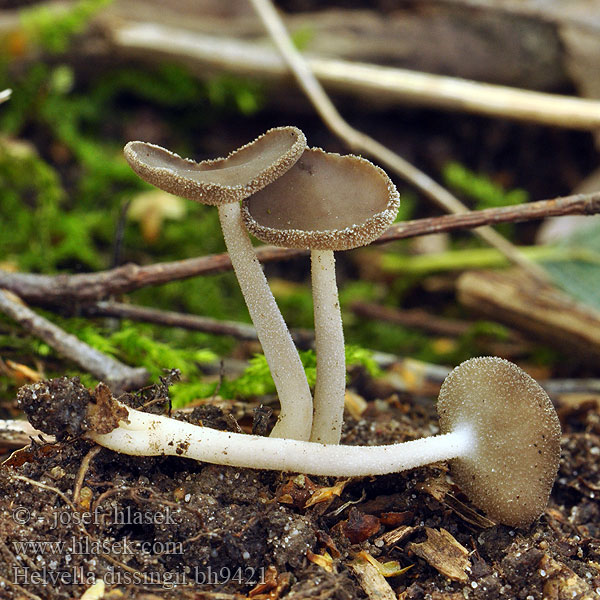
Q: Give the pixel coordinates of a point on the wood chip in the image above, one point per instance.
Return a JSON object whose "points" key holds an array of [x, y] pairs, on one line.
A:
{"points": [[355, 404], [436, 487], [546, 313], [444, 554], [372, 581], [391, 538], [562, 582]]}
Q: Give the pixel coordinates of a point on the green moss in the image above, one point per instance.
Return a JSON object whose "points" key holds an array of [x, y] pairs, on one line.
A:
{"points": [[484, 192], [256, 380], [134, 346], [52, 28], [478, 187]]}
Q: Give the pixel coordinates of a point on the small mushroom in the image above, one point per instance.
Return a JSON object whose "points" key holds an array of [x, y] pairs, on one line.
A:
{"points": [[499, 431], [325, 202], [223, 182], [515, 459]]}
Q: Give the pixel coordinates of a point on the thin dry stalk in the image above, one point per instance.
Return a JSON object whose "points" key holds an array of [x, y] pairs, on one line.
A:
{"points": [[117, 375], [83, 469], [52, 290], [363, 80], [240, 331]]}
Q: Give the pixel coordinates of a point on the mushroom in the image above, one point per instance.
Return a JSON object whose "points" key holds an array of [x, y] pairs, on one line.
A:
{"points": [[499, 431], [223, 182], [325, 202], [514, 465]]}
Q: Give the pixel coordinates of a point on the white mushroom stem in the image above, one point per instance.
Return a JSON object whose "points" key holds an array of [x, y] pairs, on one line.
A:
{"points": [[153, 435], [330, 385], [295, 418]]}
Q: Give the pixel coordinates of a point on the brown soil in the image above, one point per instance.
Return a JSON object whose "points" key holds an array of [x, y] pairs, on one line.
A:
{"points": [[170, 528]]}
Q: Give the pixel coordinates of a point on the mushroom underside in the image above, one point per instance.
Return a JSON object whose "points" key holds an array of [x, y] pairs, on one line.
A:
{"points": [[517, 432]]}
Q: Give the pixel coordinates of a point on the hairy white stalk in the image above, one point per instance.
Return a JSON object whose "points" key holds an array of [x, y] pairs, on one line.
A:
{"points": [[153, 435], [295, 418], [330, 385]]}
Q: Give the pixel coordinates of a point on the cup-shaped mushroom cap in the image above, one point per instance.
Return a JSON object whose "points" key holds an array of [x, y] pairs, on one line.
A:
{"points": [[324, 202], [510, 472], [221, 180]]}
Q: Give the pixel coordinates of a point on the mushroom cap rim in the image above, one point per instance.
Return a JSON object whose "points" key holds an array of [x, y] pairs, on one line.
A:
{"points": [[347, 238], [211, 193]]}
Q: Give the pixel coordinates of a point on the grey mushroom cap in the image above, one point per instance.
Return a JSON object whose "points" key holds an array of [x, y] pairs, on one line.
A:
{"points": [[324, 202], [221, 180], [517, 438]]}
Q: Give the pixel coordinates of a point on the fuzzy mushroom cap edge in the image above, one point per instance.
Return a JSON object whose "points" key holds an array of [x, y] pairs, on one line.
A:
{"points": [[326, 201], [222, 180]]}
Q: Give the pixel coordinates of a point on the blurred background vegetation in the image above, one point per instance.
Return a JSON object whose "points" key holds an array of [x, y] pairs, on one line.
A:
{"points": [[68, 196]]}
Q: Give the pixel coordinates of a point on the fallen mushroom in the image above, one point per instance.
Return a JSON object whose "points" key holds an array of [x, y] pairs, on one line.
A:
{"points": [[223, 182], [518, 433], [499, 431], [325, 202]]}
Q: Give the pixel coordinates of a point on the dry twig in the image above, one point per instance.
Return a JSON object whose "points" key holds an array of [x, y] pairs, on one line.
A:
{"points": [[21, 590], [52, 290], [240, 331], [360, 79], [543, 312], [117, 375], [83, 469], [415, 317]]}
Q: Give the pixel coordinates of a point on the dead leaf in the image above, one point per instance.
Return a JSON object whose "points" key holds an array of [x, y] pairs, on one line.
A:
{"points": [[323, 560], [360, 526], [269, 583], [393, 519], [297, 491], [327, 493], [29, 454], [325, 540], [23, 373], [391, 568]]}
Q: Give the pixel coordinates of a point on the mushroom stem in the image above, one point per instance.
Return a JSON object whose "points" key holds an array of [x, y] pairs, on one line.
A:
{"points": [[330, 385], [145, 434], [295, 418]]}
